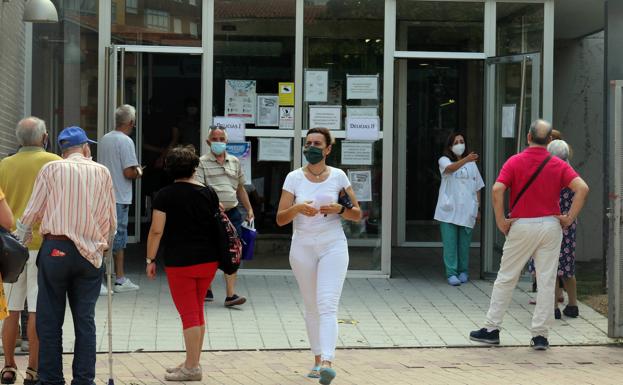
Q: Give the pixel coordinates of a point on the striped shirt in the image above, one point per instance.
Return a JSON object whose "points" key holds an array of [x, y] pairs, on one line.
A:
{"points": [[223, 178], [75, 197]]}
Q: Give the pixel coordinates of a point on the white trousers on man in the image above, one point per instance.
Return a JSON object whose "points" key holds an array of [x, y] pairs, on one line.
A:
{"points": [[319, 262], [540, 238]]}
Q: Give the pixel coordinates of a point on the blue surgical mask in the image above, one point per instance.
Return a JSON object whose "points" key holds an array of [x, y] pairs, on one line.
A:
{"points": [[218, 147]]}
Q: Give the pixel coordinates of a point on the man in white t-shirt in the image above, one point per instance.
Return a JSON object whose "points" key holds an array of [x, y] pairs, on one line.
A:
{"points": [[117, 152]]}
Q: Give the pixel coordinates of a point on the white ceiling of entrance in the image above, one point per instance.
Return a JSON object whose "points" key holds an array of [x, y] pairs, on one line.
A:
{"points": [[575, 18]]}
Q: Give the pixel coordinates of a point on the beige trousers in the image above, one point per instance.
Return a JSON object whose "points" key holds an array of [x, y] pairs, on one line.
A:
{"points": [[538, 237]]}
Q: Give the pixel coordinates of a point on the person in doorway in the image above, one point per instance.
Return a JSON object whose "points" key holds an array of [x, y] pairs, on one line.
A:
{"points": [[224, 174], [319, 250], [458, 206], [75, 202], [183, 219], [116, 151], [17, 178], [566, 262], [533, 228]]}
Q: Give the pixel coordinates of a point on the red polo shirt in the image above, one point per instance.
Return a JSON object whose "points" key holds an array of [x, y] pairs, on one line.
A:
{"points": [[542, 197]]}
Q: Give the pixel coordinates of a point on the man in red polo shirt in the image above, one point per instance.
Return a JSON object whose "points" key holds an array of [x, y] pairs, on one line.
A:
{"points": [[534, 228]]}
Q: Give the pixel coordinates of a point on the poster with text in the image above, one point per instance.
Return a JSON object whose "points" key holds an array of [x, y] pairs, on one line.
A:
{"points": [[274, 149], [286, 118], [267, 111], [362, 111], [362, 128], [242, 151], [325, 116], [356, 153], [286, 93], [240, 100], [361, 181], [360, 87], [316, 85], [234, 127]]}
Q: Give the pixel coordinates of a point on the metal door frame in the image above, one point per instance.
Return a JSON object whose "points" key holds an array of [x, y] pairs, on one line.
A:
{"points": [[490, 137], [614, 213]]}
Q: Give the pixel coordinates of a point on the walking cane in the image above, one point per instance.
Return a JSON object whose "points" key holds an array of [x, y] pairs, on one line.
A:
{"points": [[108, 255]]}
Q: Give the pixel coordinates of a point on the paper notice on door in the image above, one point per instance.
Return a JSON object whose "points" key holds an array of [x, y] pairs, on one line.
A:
{"points": [[356, 153], [275, 149], [508, 120], [361, 181]]}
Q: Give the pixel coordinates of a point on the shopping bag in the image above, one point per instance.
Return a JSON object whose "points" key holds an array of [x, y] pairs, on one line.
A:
{"points": [[247, 236]]}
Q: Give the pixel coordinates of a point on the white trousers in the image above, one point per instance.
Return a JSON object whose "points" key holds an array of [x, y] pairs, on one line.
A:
{"points": [[319, 262], [538, 237]]}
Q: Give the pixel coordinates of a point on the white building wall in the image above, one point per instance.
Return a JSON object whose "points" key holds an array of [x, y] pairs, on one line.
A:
{"points": [[578, 114], [12, 45]]}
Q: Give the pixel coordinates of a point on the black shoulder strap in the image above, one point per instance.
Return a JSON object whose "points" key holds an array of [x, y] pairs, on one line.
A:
{"points": [[532, 178]]}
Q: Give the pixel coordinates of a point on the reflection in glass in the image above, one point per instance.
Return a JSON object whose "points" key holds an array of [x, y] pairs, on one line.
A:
{"points": [[442, 96], [346, 38], [252, 44], [64, 70], [156, 22], [447, 26], [519, 28]]}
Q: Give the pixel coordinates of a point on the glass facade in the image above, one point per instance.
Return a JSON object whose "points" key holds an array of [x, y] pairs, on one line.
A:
{"points": [[346, 40], [448, 26], [156, 22], [342, 46]]}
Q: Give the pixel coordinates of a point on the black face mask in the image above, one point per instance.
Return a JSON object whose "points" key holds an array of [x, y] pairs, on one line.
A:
{"points": [[313, 154]]}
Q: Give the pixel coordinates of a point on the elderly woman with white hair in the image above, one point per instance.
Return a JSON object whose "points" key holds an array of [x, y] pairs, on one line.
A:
{"points": [[566, 262]]}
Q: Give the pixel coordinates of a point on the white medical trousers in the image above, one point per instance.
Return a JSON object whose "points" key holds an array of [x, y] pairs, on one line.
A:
{"points": [[538, 237], [319, 262]]}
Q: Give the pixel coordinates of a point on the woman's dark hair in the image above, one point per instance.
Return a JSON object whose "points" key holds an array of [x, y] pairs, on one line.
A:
{"points": [[447, 150], [181, 161], [322, 131]]}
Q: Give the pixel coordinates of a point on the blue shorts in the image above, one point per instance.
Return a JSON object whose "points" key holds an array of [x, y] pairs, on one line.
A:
{"points": [[121, 238]]}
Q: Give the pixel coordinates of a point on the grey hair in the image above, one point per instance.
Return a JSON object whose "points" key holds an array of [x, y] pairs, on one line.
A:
{"points": [[540, 130], [559, 148], [30, 131], [218, 127], [124, 115]]}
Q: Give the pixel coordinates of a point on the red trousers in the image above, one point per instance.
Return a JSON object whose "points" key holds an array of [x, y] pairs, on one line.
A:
{"points": [[188, 285]]}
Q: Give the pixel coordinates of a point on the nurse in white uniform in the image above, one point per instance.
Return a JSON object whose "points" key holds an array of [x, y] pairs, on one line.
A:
{"points": [[458, 206]]}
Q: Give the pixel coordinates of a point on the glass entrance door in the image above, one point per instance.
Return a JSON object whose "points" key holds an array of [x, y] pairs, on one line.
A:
{"points": [[512, 97], [434, 97], [165, 89]]}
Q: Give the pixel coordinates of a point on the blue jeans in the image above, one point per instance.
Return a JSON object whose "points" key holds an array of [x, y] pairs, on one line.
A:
{"points": [[456, 241], [121, 237], [69, 276], [235, 218]]}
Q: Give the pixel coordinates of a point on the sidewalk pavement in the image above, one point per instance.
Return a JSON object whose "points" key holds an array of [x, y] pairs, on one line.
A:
{"points": [[503, 365], [415, 308]]}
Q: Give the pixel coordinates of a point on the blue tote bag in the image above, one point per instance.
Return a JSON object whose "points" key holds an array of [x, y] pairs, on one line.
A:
{"points": [[247, 236]]}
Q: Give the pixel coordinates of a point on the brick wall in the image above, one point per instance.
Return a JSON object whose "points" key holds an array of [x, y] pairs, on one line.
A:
{"points": [[11, 72]]}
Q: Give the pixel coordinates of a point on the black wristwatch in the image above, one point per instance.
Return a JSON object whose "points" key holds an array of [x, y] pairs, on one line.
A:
{"points": [[342, 210]]}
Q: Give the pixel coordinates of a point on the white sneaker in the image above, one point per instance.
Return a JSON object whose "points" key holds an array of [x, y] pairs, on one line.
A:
{"points": [[125, 286], [104, 291]]}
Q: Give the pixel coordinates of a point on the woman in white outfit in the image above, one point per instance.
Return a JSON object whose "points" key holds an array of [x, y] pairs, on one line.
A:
{"points": [[319, 251], [458, 206]]}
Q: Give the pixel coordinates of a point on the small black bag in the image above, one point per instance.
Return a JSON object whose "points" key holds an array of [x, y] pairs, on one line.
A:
{"points": [[13, 257], [344, 199]]}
